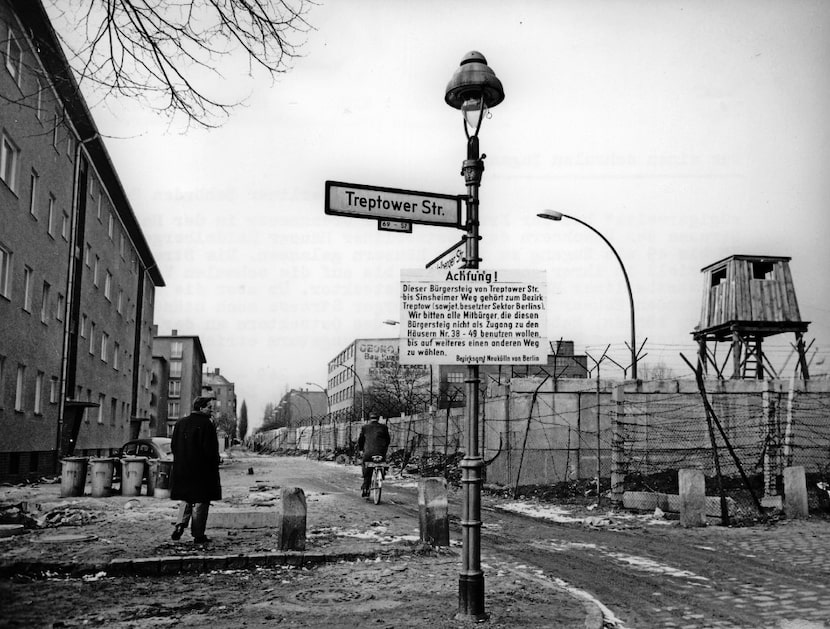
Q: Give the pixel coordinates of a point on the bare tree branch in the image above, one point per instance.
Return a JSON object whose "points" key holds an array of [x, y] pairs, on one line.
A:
{"points": [[179, 56]]}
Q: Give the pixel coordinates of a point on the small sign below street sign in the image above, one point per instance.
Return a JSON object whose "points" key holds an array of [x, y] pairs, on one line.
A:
{"points": [[452, 258], [360, 201], [395, 226]]}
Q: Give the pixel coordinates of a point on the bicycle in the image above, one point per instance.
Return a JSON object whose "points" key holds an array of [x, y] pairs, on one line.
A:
{"points": [[379, 467]]}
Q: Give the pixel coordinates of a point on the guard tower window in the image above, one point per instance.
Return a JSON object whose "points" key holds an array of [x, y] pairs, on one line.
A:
{"points": [[718, 276], [762, 270]]}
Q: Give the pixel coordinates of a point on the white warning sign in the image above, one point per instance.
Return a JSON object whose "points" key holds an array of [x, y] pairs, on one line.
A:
{"points": [[473, 316]]}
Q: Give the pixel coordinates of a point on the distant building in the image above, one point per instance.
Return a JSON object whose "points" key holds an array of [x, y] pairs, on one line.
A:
{"points": [[362, 365], [299, 407], [185, 358], [367, 364], [215, 385], [77, 277]]}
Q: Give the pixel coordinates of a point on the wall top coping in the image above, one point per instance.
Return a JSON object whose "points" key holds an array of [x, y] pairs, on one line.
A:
{"points": [[684, 385]]}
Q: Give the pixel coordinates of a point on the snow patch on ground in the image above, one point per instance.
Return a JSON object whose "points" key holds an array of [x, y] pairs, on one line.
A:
{"points": [[643, 564], [376, 533], [554, 513]]}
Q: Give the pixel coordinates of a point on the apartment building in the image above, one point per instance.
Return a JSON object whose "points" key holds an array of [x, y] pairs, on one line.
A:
{"points": [[215, 385], [184, 360], [77, 276]]}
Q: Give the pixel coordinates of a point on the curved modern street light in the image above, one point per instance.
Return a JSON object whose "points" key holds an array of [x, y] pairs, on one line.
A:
{"points": [[325, 392], [473, 89], [362, 390], [553, 215]]}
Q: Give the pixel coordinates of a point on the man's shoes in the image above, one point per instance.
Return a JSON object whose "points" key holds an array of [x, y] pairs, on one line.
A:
{"points": [[364, 493], [200, 540], [177, 532]]}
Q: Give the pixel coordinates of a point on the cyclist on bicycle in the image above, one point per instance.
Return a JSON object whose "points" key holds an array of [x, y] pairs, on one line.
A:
{"points": [[373, 441]]}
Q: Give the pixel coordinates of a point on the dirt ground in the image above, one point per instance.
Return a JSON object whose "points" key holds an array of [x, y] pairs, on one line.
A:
{"points": [[410, 591], [400, 583]]}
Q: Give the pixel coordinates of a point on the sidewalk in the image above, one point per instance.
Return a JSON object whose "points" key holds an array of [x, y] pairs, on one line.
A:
{"points": [[362, 563]]}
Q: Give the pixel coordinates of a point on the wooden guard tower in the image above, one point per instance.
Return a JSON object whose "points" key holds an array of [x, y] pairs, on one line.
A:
{"points": [[745, 300]]}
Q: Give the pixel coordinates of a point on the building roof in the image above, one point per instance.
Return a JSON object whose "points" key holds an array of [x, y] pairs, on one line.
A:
{"points": [[197, 344], [38, 27]]}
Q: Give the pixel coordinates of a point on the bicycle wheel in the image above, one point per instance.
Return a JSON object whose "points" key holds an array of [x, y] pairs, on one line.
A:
{"points": [[377, 485]]}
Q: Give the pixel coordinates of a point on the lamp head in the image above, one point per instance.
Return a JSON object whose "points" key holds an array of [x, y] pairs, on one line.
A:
{"points": [[551, 215], [473, 88]]}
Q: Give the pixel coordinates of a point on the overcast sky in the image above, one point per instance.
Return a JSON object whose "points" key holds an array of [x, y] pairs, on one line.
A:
{"points": [[685, 132]]}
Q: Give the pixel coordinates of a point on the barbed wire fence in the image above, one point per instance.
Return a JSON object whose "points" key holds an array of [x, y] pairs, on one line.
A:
{"points": [[569, 439]]}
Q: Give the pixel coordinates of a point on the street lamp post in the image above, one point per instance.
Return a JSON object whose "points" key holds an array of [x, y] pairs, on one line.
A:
{"points": [[362, 390], [553, 215], [326, 393], [473, 89]]}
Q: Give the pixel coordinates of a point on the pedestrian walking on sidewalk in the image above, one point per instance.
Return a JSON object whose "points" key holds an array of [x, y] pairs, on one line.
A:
{"points": [[374, 440], [194, 480]]}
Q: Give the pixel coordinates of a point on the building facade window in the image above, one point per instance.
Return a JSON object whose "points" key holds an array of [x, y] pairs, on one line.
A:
{"points": [[120, 303], [18, 389], [14, 56], [173, 410], [33, 182], [108, 286], [110, 226], [44, 303], [105, 341], [2, 380], [174, 388], [55, 125], [5, 271], [54, 386], [50, 215], [27, 289], [91, 337], [101, 400], [38, 407], [176, 349], [38, 98], [95, 266], [65, 226], [83, 326], [8, 162], [59, 308], [116, 349], [175, 369]]}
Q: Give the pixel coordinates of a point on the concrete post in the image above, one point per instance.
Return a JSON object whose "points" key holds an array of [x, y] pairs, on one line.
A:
{"points": [[433, 511], [617, 445], [795, 492], [692, 497], [291, 522]]}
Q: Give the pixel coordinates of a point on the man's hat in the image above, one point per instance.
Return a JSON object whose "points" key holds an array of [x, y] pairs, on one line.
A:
{"points": [[201, 402]]}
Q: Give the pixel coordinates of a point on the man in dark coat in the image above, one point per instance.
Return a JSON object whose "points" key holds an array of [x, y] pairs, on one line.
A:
{"points": [[195, 476], [374, 441]]}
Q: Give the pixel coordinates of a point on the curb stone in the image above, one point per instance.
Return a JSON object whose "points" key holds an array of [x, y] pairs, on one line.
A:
{"points": [[177, 564]]}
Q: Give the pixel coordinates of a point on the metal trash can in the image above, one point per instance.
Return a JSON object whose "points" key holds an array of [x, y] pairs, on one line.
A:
{"points": [[101, 472], [73, 476], [152, 464], [161, 482], [132, 475]]}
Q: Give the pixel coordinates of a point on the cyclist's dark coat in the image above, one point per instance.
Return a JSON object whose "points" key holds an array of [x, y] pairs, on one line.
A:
{"points": [[374, 439]]}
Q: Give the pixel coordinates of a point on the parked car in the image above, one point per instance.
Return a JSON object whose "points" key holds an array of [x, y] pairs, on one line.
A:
{"points": [[151, 448]]}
